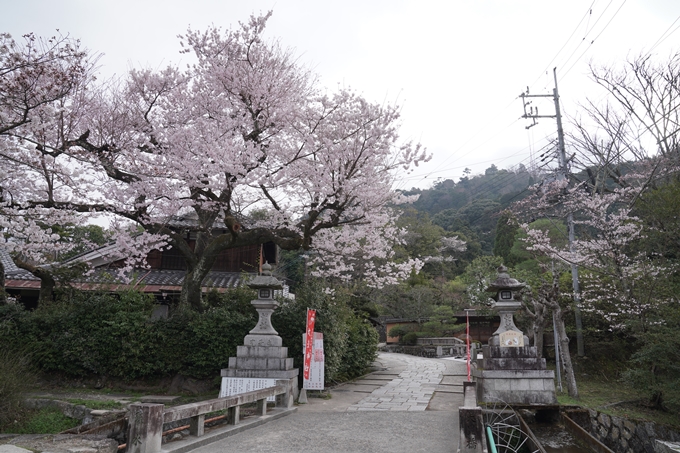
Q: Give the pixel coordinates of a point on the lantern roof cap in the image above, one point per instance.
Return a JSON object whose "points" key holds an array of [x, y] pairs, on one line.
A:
{"points": [[504, 281], [266, 279]]}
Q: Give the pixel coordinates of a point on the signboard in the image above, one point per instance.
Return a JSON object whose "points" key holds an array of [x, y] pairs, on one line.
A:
{"points": [[233, 386], [511, 338], [316, 376], [309, 331]]}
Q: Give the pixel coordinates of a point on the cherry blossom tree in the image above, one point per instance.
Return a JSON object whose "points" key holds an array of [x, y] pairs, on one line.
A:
{"points": [[246, 128], [616, 278], [37, 76]]}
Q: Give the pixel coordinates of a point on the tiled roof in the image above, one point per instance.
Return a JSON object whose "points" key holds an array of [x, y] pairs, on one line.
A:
{"points": [[148, 280], [7, 262], [11, 269]]}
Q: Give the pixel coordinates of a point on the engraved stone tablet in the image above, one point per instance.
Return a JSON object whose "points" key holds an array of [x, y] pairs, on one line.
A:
{"points": [[511, 338]]}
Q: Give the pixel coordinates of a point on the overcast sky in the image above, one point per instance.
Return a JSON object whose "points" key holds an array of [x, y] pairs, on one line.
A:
{"points": [[455, 66]]}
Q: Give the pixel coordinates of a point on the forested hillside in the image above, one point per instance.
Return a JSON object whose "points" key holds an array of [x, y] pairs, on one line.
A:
{"points": [[470, 207]]}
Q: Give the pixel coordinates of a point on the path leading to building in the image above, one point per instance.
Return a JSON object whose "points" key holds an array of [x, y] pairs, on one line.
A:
{"points": [[408, 404], [411, 390]]}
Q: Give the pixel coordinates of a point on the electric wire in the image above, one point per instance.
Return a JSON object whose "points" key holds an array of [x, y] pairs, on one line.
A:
{"points": [[664, 36], [588, 31], [588, 14], [594, 39], [456, 156], [420, 177], [454, 153]]}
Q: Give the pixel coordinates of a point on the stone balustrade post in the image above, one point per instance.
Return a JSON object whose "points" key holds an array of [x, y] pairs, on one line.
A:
{"points": [[471, 424], [286, 400], [145, 428]]}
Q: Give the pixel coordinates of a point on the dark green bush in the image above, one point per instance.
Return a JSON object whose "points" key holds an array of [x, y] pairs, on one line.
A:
{"points": [[200, 344], [96, 334], [349, 345], [655, 368], [398, 332], [410, 338], [112, 335], [361, 350]]}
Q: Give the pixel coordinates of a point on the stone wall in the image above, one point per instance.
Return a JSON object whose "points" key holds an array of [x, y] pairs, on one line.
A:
{"points": [[623, 435]]}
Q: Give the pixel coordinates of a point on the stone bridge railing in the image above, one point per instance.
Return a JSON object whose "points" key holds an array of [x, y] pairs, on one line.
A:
{"points": [[145, 425], [431, 351]]}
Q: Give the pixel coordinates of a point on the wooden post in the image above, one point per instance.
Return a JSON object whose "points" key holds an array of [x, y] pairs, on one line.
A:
{"points": [[145, 428]]}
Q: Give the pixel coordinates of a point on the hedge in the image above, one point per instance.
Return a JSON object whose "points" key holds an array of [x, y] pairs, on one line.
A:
{"points": [[113, 335]]}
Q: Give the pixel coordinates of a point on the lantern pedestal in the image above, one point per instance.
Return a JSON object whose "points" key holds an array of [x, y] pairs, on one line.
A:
{"points": [[262, 360], [511, 371]]}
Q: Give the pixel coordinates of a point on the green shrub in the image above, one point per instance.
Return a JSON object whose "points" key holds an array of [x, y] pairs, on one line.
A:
{"points": [[655, 368], [200, 344], [112, 335], [362, 348], [410, 338], [96, 334], [349, 343], [398, 332]]}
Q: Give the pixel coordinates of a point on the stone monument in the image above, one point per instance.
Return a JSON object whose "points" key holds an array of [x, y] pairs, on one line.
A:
{"points": [[262, 360], [511, 371]]}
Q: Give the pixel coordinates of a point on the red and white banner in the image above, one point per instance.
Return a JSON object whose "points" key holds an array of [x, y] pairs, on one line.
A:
{"points": [[309, 342], [316, 372]]}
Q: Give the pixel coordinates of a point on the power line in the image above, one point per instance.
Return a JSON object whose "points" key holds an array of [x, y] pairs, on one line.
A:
{"points": [[663, 36], [594, 39], [483, 129], [420, 177], [588, 14]]}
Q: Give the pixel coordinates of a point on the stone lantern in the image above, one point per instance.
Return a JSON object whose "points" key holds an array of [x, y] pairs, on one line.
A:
{"points": [[512, 371], [262, 360], [264, 334], [507, 300]]}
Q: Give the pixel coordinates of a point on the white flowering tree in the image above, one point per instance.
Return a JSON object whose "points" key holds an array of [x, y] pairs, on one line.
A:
{"points": [[245, 128], [615, 276]]}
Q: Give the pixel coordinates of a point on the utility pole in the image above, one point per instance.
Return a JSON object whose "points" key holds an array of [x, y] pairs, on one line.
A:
{"points": [[563, 175]]}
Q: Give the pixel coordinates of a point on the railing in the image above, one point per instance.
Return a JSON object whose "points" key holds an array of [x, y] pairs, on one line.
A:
{"points": [[428, 351], [145, 425]]}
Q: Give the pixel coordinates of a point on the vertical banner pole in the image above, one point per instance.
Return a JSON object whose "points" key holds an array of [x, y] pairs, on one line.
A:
{"points": [[467, 338]]}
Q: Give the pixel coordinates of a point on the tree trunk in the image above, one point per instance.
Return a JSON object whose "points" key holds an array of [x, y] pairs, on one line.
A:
{"points": [[3, 294], [564, 353], [47, 281], [191, 295], [47, 285], [538, 340], [538, 324], [538, 327]]}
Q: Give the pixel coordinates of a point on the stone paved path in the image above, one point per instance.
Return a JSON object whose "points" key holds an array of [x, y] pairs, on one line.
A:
{"points": [[410, 404], [410, 391]]}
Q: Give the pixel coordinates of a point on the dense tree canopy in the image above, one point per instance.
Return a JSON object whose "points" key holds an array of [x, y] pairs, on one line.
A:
{"points": [[246, 127]]}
